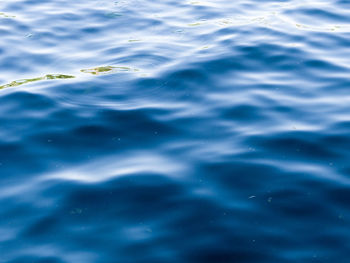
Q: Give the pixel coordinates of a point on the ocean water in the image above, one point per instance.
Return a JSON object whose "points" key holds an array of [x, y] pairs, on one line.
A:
{"points": [[139, 131]]}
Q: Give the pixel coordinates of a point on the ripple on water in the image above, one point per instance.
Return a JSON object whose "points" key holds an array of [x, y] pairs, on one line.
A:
{"points": [[196, 131]]}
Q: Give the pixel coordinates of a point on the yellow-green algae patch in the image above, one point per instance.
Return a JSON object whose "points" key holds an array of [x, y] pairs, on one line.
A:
{"points": [[25, 81], [107, 70], [195, 24], [6, 15]]}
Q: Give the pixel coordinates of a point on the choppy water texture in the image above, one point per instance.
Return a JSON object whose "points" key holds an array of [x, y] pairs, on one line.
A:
{"points": [[174, 131]]}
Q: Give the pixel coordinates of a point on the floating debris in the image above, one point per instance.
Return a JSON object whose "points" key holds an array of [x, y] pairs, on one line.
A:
{"points": [[107, 70], [76, 211], [194, 24], [46, 77], [6, 15], [314, 28], [113, 15], [194, 3]]}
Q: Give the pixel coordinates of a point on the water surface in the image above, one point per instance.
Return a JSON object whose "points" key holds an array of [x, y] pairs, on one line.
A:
{"points": [[174, 131]]}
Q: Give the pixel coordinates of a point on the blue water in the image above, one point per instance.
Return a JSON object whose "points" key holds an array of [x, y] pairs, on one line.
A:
{"points": [[174, 131]]}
